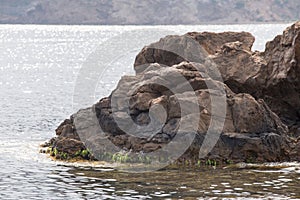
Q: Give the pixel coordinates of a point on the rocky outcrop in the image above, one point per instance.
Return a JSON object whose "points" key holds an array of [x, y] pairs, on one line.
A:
{"points": [[200, 96], [272, 75], [251, 130]]}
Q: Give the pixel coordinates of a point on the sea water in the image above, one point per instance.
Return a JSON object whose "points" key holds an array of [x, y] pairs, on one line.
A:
{"points": [[39, 66]]}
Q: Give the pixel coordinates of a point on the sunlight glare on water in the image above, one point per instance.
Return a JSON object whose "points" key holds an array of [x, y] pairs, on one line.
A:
{"points": [[38, 69]]}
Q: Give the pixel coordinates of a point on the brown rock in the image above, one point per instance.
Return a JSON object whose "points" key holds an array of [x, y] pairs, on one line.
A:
{"points": [[294, 154], [176, 92], [173, 49], [281, 76], [268, 147], [272, 75], [68, 145], [62, 125], [212, 42], [149, 147], [141, 101]]}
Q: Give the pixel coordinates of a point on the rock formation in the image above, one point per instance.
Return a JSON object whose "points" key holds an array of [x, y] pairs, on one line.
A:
{"points": [[272, 75], [252, 106]]}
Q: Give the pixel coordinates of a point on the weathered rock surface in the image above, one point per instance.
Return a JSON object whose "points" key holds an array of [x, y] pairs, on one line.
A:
{"points": [[251, 130], [273, 75], [176, 93]]}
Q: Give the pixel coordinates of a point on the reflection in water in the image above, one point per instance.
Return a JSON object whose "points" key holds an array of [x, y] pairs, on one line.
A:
{"points": [[205, 182]]}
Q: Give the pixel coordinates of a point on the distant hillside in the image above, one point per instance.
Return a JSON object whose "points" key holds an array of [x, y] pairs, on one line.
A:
{"points": [[147, 12]]}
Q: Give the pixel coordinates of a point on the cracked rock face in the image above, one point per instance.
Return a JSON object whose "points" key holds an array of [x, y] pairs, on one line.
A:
{"points": [[272, 75], [174, 93], [250, 131]]}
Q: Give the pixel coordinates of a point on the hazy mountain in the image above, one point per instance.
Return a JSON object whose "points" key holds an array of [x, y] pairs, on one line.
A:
{"points": [[147, 12]]}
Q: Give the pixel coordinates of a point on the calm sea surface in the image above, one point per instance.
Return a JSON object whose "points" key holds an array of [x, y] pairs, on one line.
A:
{"points": [[38, 70]]}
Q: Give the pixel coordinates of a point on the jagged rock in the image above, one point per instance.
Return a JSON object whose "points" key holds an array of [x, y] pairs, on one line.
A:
{"points": [[282, 75], [61, 127], [273, 75], [172, 49], [68, 145], [177, 96], [246, 120]]}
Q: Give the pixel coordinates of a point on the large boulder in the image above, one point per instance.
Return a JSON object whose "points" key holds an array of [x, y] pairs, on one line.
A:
{"points": [[273, 75], [173, 49], [251, 131], [235, 104]]}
